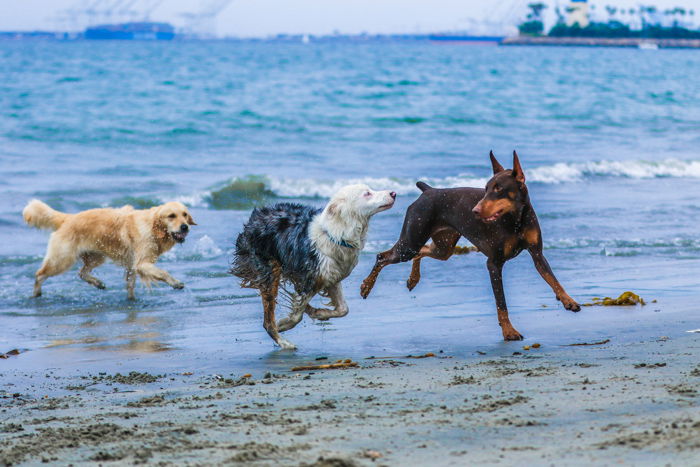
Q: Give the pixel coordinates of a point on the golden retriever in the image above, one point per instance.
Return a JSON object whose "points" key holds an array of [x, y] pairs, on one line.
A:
{"points": [[132, 238]]}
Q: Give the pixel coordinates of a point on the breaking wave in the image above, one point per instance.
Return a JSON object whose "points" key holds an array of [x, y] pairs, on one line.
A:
{"points": [[246, 192]]}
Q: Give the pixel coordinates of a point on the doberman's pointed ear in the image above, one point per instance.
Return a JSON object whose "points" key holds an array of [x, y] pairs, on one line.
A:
{"points": [[497, 167], [517, 169]]}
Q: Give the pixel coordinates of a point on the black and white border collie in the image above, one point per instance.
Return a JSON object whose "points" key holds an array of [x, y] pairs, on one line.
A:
{"points": [[305, 251]]}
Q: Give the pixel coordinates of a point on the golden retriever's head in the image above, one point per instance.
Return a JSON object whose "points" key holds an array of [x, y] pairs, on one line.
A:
{"points": [[172, 220]]}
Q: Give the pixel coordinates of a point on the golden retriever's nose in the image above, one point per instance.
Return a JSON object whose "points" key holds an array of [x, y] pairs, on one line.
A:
{"points": [[184, 228]]}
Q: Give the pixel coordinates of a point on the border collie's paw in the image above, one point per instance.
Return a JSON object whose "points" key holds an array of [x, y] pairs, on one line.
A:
{"points": [[286, 345]]}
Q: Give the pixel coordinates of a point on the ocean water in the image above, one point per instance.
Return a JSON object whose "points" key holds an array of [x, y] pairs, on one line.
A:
{"points": [[609, 140]]}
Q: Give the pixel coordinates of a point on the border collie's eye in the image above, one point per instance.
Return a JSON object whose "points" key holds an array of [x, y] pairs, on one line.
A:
{"points": [[368, 194], [171, 216]]}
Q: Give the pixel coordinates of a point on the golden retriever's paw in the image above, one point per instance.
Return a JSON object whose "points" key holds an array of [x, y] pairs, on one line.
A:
{"points": [[100, 285], [178, 285]]}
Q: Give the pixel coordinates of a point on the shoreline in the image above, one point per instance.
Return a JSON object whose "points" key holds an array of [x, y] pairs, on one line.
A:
{"points": [[633, 42]]}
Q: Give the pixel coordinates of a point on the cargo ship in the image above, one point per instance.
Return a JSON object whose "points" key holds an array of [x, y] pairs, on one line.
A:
{"points": [[147, 31], [456, 37]]}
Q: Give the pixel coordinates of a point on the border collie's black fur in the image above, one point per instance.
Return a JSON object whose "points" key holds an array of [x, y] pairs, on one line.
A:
{"points": [[277, 234]]}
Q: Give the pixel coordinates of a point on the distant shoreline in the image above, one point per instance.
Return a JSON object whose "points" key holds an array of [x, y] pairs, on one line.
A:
{"points": [[636, 42]]}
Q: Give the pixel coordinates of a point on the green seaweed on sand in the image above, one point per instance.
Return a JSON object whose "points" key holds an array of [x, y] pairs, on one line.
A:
{"points": [[625, 299], [463, 250], [240, 193]]}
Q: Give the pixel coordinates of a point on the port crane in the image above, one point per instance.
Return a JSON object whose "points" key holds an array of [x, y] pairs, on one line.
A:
{"points": [[203, 23]]}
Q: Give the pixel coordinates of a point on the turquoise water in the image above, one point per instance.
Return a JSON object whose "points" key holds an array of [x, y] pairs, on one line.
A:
{"points": [[609, 139]]}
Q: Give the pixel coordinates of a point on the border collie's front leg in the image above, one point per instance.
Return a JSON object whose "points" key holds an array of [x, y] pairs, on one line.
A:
{"points": [[495, 271], [340, 306], [546, 272]]}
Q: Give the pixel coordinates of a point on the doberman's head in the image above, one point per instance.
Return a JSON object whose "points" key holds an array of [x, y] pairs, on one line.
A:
{"points": [[506, 193]]}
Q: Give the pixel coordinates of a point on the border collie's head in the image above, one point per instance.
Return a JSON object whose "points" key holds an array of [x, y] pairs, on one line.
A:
{"points": [[359, 201]]}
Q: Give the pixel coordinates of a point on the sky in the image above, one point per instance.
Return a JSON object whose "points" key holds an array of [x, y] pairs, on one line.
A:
{"points": [[261, 18]]}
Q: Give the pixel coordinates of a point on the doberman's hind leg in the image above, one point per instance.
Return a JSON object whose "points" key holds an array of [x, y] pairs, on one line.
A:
{"points": [[90, 262], [442, 248], [340, 306], [269, 298], [495, 271]]}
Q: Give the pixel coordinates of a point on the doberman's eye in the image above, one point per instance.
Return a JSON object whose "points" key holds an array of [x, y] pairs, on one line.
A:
{"points": [[171, 216], [497, 188]]}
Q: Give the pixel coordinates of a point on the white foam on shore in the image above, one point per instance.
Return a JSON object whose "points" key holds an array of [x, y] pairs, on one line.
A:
{"points": [[287, 187]]}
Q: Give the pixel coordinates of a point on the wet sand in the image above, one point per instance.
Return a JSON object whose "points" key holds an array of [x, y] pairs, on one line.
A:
{"points": [[632, 402]]}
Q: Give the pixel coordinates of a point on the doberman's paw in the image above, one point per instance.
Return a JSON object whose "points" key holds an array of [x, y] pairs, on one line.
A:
{"points": [[366, 288], [569, 303], [512, 335], [412, 282]]}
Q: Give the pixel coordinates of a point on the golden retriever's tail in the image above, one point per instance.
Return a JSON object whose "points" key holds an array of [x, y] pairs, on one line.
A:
{"points": [[41, 216]]}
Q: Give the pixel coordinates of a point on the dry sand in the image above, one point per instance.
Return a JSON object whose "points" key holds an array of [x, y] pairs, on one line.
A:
{"points": [[634, 403]]}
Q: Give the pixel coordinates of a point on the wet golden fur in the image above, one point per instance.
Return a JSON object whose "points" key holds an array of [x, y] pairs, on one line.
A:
{"points": [[132, 238]]}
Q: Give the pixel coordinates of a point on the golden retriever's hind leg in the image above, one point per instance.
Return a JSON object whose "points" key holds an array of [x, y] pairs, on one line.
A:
{"points": [[56, 262], [90, 262], [130, 284]]}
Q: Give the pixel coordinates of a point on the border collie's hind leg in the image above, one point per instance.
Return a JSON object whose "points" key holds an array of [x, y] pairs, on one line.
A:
{"points": [[269, 292], [442, 247], [340, 306], [300, 304]]}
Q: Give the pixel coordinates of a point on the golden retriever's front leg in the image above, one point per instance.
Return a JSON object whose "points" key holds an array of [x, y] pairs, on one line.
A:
{"points": [[149, 272], [130, 283]]}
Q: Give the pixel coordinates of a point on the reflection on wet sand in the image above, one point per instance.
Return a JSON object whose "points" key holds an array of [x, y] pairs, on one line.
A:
{"points": [[135, 333]]}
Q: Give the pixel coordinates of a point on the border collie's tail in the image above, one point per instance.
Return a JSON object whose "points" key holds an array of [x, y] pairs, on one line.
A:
{"points": [[422, 186], [41, 216]]}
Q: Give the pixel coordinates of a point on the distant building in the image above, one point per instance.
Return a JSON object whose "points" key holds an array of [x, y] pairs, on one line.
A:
{"points": [[577, 13]]}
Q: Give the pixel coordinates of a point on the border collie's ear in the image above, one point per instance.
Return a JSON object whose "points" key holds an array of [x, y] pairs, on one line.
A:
{"points": [[497, 167], [517, 170], [190, 220], [336, 208]]}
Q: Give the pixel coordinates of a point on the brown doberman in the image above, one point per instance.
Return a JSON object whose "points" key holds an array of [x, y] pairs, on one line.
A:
{"points": [[499, 221]]}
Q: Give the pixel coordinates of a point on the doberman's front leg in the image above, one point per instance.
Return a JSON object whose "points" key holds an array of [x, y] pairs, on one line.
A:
{"points": [[546, 272], [495, 271]]}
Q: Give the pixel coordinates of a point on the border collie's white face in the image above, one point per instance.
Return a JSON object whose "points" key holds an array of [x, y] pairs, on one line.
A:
{"points": [[361, 201]]}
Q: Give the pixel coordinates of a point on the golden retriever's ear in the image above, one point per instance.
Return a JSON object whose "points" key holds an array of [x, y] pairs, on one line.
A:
{"points": [[159, 229], [190, 220]]}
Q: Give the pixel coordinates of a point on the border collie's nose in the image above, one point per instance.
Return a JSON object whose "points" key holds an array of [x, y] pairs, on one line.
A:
{"points": [[184, 228], [393, 194]]}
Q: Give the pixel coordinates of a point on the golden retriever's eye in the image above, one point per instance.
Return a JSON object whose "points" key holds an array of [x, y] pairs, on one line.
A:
{"points": [[171, 216]]}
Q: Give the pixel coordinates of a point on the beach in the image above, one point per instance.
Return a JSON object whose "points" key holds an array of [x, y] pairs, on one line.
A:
{"points": [[604, 403], [610, 156]]}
